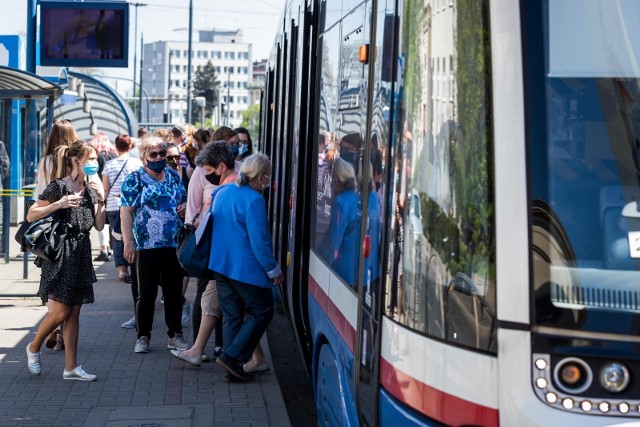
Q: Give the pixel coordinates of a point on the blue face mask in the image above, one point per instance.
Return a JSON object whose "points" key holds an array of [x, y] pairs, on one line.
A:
{"points": [[157, 166], [90, 168], [235, 150], [243, 149]]}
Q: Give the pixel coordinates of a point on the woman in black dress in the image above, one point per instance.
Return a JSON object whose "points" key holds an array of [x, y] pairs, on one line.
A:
{"points": [[69, 281]]}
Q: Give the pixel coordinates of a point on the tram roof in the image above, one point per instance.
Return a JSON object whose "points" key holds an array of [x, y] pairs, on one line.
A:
{"points": [[19, 84]]}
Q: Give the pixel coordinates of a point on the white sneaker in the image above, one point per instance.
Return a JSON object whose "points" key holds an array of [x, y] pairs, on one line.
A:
{"points": [[142, 345], [130, 324], [33, 362], [177, 343], [187, 309], [78, 374]]}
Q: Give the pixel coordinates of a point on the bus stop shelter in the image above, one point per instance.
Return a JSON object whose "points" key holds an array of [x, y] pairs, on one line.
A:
{"points": [[25, 99]]}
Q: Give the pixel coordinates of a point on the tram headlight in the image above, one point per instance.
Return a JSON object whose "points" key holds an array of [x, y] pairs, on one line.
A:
{"points": [[614, 377], [586, 406], [541, 364], [551, 397], [623, 407], [572, 375], [541, 383], [567, 403], [604, 406]]}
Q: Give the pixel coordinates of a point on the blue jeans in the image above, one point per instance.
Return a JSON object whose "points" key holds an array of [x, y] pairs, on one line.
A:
{"points": [[240, 335], [118, 245]]}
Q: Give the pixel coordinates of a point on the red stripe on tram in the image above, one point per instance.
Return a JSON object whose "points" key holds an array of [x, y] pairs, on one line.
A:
{"points": [[339, 321], [434, 403]]}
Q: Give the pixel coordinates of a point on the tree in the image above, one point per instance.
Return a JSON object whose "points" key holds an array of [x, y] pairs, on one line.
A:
{"points": [[205, 83], [250, 119]]}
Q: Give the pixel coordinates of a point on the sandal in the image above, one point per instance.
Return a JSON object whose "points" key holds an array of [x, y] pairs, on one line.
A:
{"points": [[59, 342]]}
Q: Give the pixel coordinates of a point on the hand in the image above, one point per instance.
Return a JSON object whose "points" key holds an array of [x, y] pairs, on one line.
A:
{"points": [[70, 201], [181, 210], [278, 279], [130, 252], [99, 189]]}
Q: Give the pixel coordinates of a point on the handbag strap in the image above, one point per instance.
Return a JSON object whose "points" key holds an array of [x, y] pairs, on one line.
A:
{"points": [[117, 176]]}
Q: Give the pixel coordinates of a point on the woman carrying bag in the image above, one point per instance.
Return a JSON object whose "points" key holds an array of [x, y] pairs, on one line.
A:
{"points": [[69, 281]]}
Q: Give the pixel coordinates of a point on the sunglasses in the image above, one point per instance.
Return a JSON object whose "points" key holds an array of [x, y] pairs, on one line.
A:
{"points": [[154, 154], [173, 158]]}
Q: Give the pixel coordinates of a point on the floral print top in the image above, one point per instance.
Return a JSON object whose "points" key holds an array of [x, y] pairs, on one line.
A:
{"points": [[156, 223]]}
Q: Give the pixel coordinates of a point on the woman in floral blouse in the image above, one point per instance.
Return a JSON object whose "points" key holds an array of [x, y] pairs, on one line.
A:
{"points": [[153, 201]]}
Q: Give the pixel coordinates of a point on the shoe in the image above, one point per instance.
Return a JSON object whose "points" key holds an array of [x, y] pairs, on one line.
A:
{"points": [[142, 345], [52, 339], [162, 299], [177, 343], [257, 369], [205, 358], [187, 308], [234, 368], [130, 324], [217, 352], [127, 278], [102, 257], [78, 374], [228, 378], [33, 362], [193, 361]]}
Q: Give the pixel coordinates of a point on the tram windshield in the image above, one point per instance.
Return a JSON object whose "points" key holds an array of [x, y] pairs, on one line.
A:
{"points": [[583, 97]]}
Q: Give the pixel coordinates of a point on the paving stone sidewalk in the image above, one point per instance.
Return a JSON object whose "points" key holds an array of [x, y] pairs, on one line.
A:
{"points": [[152, 389]]}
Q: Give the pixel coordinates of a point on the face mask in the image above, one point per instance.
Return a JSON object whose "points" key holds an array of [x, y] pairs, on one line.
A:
{"points": [[265, 186], [235, 150], [157, 166], [213, 178], [349, 157], [243, 149], [173, 164], [90, 168]]}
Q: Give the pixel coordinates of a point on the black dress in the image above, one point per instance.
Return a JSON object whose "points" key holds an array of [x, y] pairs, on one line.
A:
{"points": [[70, 279]]}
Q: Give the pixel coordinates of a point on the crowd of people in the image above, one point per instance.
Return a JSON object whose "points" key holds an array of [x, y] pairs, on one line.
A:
{"points": [[145, 188]]}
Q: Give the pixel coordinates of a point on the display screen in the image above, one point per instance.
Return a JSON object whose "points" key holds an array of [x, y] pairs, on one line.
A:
{"points": [[84, 34]]}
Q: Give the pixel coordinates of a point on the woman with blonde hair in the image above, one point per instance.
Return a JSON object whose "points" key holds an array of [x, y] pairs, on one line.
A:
{"points": [[68, 282]]}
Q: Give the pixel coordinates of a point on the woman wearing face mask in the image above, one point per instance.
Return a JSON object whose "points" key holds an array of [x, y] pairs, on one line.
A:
{"points": [[152, 200], [215, 166], [245, 145], [68, 282], [245, 269]]}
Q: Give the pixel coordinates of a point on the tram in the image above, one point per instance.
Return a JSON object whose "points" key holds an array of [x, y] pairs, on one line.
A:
{"points": [[455, 199]]}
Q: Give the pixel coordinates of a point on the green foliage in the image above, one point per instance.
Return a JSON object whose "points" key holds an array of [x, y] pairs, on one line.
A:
{"points": [[472, 146], [250, 119], [412, 28], [205, 79]]}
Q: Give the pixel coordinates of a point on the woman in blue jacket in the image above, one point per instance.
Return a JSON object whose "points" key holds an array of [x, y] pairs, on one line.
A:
{"points": [[242, 260]]}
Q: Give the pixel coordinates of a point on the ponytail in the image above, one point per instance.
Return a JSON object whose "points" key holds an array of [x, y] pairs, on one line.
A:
{"points": [[61, 162]]}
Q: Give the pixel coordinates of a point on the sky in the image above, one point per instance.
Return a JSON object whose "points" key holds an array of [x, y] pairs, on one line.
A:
{"points": [[258, 20]]}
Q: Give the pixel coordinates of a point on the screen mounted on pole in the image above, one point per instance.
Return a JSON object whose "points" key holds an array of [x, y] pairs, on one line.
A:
{"points": [[84, 34]]}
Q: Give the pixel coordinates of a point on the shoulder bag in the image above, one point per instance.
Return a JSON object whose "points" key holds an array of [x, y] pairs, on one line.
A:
{"points": [[194, 245], [43, 237]]}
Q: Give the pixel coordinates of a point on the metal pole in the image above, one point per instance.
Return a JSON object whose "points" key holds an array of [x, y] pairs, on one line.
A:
{"points": [[141, 74], [228, 91], [168, 116], [189, 61], [135, 43], [31, 35]]}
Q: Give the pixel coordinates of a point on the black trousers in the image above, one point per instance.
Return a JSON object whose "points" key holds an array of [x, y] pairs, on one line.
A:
{"points": [[159, 266], [196, 314]]}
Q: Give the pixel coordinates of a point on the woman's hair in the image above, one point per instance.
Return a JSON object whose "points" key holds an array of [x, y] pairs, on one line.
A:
{"points": [[223, 134], [164, 134], [343, 173], [100, 142], [249, 152], [252, 167], [142, 131], [149, 142], [194, 144], [215, 153], [123, 143], [62, 133], [64, 153]]}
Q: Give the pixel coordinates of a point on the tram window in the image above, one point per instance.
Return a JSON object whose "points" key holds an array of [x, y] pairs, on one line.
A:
{"points": [[586, 151], [443, 251]]}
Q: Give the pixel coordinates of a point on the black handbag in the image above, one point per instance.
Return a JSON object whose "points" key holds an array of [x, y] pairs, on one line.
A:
{"points": [[194, 245], [43, 237]]}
